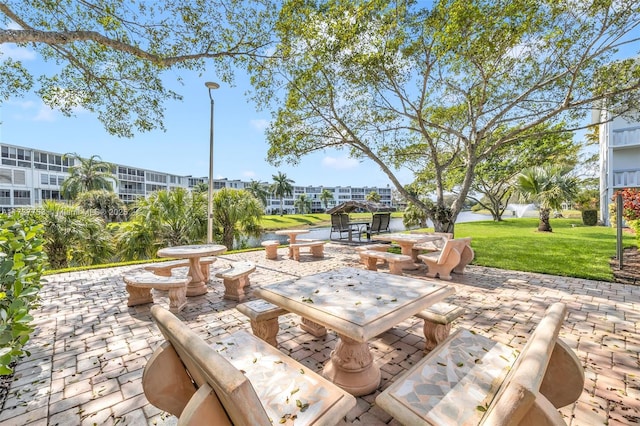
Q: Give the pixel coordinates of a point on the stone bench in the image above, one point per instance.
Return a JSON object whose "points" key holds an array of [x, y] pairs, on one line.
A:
{"points": [[470, 379], [437, 323], [396, 261], [316, 248], [164, 269], [263, 317], [375, 247], [455, 255], [238, 380], [270, 249], [235, 279], [139, 288]]}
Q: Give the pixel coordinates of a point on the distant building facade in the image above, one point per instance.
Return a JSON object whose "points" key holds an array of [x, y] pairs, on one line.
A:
{"points": [[28, 177], [619, 158]]}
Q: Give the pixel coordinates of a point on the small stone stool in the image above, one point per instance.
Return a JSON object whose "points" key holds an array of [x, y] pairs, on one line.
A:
{"points": [[271, 249], [437, 323], [263, 317]]}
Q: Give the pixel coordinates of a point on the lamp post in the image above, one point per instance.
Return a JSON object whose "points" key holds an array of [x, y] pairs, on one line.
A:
{"points": [[211, 86]]}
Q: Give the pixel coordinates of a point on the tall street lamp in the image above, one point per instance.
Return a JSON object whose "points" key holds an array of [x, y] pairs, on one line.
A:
{"points": [[211, 86]]}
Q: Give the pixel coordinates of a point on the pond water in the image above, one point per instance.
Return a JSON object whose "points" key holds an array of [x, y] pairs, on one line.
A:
{"points": [[395, 225]]}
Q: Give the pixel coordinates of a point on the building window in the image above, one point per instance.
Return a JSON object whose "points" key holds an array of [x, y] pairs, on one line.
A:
{"points": [[44, 179], [5, 176], [19, 177], [5, 197], [21, 198]]}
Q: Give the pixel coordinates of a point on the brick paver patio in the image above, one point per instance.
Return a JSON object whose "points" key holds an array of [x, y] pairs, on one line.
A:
{"points": [[89, 348]]}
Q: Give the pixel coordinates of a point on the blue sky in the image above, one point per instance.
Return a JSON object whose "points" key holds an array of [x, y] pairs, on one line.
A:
{"points": [[239, 140]]}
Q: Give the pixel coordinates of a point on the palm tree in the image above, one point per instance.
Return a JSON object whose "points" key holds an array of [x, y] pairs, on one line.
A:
{"points": [[325, 197], [200, 187], [103, 203], [282, 186], [258, 189], [175, 216], [72, 235], [90, 174], [303, 204], [548, 186], [236, 213], [373, 196]]}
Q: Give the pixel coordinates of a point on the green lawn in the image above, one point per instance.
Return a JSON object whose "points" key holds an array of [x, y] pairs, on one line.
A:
{"points": [[576, 251]]}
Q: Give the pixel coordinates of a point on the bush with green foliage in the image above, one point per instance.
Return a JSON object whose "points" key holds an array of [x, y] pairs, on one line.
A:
{"points": [[590, 217], [22, 260]]}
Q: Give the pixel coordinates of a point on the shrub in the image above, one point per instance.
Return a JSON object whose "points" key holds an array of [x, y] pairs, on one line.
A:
{"points": [[22, 260], [590, 217]]}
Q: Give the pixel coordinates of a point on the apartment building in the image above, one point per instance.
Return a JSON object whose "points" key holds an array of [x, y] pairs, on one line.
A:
{"points": [[619, 158], [29, 176]]}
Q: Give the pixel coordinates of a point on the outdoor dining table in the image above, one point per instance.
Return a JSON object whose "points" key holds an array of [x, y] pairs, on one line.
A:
{"points": [[197, 286], [406, 243], [358, 305], [292, 234]]}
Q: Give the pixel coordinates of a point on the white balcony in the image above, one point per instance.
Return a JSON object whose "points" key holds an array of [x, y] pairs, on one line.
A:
{"points": [[626, 178], [625, 138]]}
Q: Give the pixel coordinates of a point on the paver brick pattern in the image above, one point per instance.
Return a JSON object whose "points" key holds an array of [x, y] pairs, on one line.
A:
{"points": [[89, 349]]}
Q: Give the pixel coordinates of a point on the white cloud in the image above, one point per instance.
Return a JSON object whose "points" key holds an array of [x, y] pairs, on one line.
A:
{"points": [[17, 53], [340, 163], [45, 114], [259, 124]]}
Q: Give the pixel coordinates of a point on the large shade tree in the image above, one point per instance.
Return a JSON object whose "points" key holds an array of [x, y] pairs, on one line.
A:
{"points": [[111, 56], [441, 86]]}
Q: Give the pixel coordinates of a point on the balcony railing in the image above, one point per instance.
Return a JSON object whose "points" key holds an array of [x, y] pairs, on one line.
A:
{"points": [[626, 137], [626, 178]]}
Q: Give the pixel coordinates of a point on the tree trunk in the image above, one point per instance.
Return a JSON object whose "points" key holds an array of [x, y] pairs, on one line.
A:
{"points": [[544, 225], [443, 225]]}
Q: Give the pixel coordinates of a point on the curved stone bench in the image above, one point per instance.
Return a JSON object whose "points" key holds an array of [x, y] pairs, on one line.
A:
{"points": [[139, 288], [396, 261], [164, 269], [316, 247], [235, 279]]}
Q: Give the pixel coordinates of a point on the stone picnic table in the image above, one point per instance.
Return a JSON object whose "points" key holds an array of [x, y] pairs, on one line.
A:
{"points": [[197, 286]]}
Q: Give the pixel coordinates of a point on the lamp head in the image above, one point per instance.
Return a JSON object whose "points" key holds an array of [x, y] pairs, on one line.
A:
{"points": [[211, 85]]}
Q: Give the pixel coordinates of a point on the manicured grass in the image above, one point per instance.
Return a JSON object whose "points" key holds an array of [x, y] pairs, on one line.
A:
{"points": [[575, 251]]}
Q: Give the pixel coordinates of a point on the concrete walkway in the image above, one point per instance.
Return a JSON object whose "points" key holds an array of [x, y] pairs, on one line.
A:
{"points": [[89, 348]]}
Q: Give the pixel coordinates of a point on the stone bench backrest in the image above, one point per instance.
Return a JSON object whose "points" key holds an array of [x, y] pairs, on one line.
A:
{"points": [[218, 388], [492, 384]]}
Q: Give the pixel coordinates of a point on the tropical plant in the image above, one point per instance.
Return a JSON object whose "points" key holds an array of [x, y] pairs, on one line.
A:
{"points": [[236, 213], [72, 236], [22, 260], [200, 187], [303, 204], [258, 189], [135, 241], [91, 174], [373, 196], [281, 187], [325, 197], [548, 187], [103, 203], [111, 57], [414, 216], [175, 217]]}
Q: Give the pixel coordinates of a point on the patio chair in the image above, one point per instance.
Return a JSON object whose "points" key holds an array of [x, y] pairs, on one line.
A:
{"points": [[340, 224]]}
